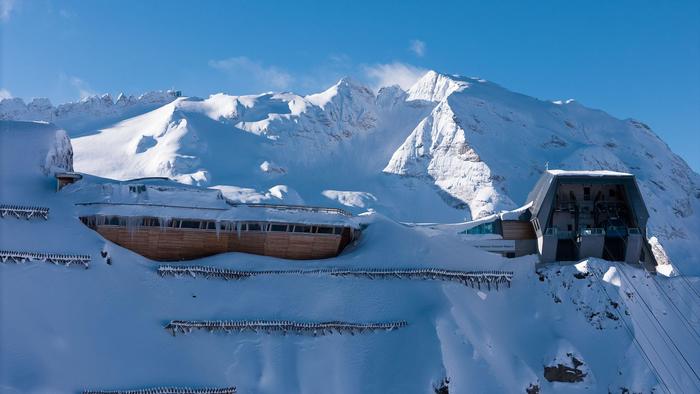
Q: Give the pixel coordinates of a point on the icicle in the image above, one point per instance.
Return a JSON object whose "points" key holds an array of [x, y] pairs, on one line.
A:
{"points": [[239, 226]]}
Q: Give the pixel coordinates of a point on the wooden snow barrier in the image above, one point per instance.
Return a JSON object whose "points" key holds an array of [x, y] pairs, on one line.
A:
{"points": [[475, 279], [281, 326], [26, 212], [55, 258], [167, 390]]}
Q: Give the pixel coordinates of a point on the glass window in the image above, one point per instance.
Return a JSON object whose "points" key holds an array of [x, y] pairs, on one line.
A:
{"points": [[337, 230], [302, 229], [189, 223], [483, 228], [254, 227], [325, 230], [278, 227]]}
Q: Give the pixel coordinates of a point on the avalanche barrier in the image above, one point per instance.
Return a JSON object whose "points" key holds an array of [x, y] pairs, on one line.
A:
{"points": [[282, 326], [167, 390], [475, 279], [25, 212], [55, 258]]}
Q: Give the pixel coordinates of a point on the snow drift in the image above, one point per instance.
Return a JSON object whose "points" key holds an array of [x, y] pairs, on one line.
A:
{"points": [[448, 149]]}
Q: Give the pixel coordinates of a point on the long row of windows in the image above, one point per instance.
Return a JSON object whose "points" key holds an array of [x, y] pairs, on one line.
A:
{"points": [[211, 225]]}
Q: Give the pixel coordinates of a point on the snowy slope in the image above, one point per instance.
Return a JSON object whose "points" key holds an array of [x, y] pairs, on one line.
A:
{"points": [[487, 146], [86, 114], [65, 329], [464, 147], [448, 149]]}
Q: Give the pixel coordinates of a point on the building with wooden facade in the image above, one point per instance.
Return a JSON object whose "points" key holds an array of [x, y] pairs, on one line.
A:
{"points": [[153, 221], [509, 233], [189, 238]]}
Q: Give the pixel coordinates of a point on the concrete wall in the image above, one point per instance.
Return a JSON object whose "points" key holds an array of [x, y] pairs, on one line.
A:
{"points": [[634, 248], [547, 246], [591, 246]]}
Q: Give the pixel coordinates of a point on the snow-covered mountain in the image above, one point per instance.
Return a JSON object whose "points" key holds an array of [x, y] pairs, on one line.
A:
{"points": [[448, 149], [592, 327], [87, 113], [464, 147]]}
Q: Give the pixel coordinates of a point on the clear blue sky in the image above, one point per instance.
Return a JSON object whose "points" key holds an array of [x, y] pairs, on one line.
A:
{"points": [[637, 59]]}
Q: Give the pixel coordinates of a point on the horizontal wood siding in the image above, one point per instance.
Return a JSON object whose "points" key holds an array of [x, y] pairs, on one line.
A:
{"points": [[170, 244], [517, 230]]}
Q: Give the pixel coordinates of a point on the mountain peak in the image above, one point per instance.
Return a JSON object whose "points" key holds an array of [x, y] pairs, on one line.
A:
{"points": [[435, 86], [345, 87]]}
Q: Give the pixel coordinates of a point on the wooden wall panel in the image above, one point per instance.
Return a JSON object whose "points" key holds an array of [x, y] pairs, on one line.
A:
{"points": [[517, 230], [276, 244], [169, 244]]}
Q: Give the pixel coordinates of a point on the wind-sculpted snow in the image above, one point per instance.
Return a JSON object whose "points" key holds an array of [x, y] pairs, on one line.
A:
{"points": [[454, 148], [465, 147]]}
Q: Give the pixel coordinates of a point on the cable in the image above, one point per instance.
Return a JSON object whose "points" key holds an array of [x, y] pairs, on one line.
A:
{"points": [[635, 341], [668, 336], [680, 314]]}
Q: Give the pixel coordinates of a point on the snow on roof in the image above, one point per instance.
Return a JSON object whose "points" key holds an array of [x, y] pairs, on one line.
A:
{"points": [[587, 173], [239, 213], [546, 186], [515, 213], [167, 199]]}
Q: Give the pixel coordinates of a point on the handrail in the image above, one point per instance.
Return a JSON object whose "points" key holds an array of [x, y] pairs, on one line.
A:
{"points": [[290, 207], [280, 207], [149, 205]]}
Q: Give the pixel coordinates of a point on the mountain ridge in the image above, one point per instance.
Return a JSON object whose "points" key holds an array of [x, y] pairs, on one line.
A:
{"points": [[465, 146]]}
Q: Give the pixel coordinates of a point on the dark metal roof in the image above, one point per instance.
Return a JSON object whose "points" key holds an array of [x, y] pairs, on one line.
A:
{"points": [[546, 187]]}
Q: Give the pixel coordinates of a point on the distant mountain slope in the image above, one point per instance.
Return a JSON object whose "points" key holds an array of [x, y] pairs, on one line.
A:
{"points": [[450, 148], [592, 327], [486, 146]]}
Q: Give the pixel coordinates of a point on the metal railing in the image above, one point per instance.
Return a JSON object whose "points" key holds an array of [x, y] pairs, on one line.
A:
{"points": [[279, 207], [287, 207], [592, 231]]}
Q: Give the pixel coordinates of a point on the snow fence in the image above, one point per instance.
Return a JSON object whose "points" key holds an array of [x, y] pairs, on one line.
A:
{"points": [[167, 390], [475, 279], [24, 212], [55, 258], [281, 326]]}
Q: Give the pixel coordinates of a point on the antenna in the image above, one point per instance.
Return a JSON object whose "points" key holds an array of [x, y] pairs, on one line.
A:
{"points": [[546, 166]]}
